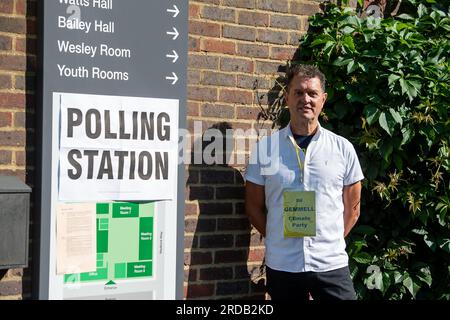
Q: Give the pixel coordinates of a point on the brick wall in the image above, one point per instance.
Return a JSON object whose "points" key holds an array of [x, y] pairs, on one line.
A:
{"points": [[232, 43], [17, 73]]}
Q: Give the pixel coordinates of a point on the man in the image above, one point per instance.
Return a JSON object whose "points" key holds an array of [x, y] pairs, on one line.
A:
{"points": [[302, 194]]}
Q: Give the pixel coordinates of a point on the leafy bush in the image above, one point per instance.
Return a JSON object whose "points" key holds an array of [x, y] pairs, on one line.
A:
{"points": [[388, 88]]}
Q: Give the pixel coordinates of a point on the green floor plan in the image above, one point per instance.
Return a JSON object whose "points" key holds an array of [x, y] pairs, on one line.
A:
{"points": [[125, 233]]}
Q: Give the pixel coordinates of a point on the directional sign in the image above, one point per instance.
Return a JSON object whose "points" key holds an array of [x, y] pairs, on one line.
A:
{"points": [[174, 78], [174, 33], [174, 10], [113, 100], [174, 56]]}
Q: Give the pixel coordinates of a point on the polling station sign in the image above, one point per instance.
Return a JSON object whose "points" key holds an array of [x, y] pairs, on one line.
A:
{"points": [[116, 147]]}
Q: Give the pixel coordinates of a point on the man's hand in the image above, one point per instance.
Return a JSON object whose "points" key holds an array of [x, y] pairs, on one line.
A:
{"points": [[352, 199], [255, 206]]}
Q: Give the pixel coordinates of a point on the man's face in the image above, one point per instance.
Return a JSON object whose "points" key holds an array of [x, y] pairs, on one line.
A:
{"points": [[305, 98]]}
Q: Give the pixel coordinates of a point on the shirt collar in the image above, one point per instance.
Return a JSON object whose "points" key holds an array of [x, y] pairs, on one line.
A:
{"points": [[288, 131]]}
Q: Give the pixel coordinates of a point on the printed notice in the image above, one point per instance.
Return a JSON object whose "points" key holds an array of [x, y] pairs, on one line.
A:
{"points": [[117, 148], [299, 214], [76, 238]]}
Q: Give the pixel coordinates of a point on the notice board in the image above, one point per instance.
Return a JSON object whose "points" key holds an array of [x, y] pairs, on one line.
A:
{"points": [[113, 99]]}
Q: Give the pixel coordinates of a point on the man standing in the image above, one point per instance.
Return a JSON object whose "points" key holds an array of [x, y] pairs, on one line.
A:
{"points": [[302, 194]]}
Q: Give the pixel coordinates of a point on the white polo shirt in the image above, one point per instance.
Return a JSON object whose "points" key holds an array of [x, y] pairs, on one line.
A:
{"points": [[330, 164]]}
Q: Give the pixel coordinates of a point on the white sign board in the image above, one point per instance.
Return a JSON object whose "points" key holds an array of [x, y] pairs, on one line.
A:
{"points": [[117, 148]]}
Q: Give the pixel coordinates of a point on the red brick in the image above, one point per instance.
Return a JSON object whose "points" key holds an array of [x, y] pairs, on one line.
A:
{"points": [[294, 38], [16, 63], [215, 208], [241, 271], [193, 77], [202, 93], [12, 138], [228, 256], [306, 9], [209, 1], [246, 240], [274, 6], [12, 100], [253, 19], [232, 288], [252, 82], [198, 258], [271, 36], [194, 44], [285, 22], [192, 177], [201, 193], [6, 6], [20, 174], [217, 177], [203, 61], [10, 288], [5, 43], [250, 113], [253, 50], [13, 25], [256, 255], [190, 275], [5, 119], [218, 14], [15, 273], [21, 7], [221, 46], [193, 108], [190, 242], [194, 11], [19, 119], [5, 82], [20, 158], [282, 53], [216, 241], [204, 28], [239, 208], [240, 33], [217, 111], [191, 209], [248, 4], [218, 79], [216, 273], [199, 225], [5, 157], [26, 46], [232, 224], [235, 96], [236, 65], [266, 67], [200, 290], [235, 192]]}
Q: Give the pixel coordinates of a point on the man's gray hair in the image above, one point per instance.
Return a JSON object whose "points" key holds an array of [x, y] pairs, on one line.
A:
{"points": [[306, 71]]}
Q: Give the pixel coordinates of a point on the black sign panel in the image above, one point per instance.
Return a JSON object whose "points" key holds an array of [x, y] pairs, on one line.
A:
{"points": [[132, 48]]}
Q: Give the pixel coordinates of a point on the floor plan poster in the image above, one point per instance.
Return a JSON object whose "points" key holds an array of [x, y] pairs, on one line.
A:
{"points": [[125, 246]]}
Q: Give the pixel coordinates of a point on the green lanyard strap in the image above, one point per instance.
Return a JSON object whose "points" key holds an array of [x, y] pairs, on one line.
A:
{"points": [[300, 164]]}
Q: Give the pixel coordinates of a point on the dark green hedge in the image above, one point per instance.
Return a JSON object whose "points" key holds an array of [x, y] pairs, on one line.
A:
{"points": [[389, 91]]}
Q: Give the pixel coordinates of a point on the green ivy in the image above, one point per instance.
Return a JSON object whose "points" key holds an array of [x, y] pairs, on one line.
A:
{"points": [[389, 91]]}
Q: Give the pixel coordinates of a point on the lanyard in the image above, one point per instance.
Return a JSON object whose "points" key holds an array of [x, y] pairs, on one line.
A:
{"points": [[300, 164]]}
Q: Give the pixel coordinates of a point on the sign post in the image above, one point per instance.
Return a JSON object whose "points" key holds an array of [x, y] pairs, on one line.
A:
{"points": [[111, 193]]}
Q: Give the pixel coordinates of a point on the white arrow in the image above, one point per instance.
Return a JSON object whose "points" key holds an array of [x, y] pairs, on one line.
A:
{"points": [[174, 78], [174, 33], [174, 56], [174, 10]]}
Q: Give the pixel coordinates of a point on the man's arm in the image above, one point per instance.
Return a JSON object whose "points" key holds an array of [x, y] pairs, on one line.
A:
{"points": [[255, 206], [352, 199]]}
